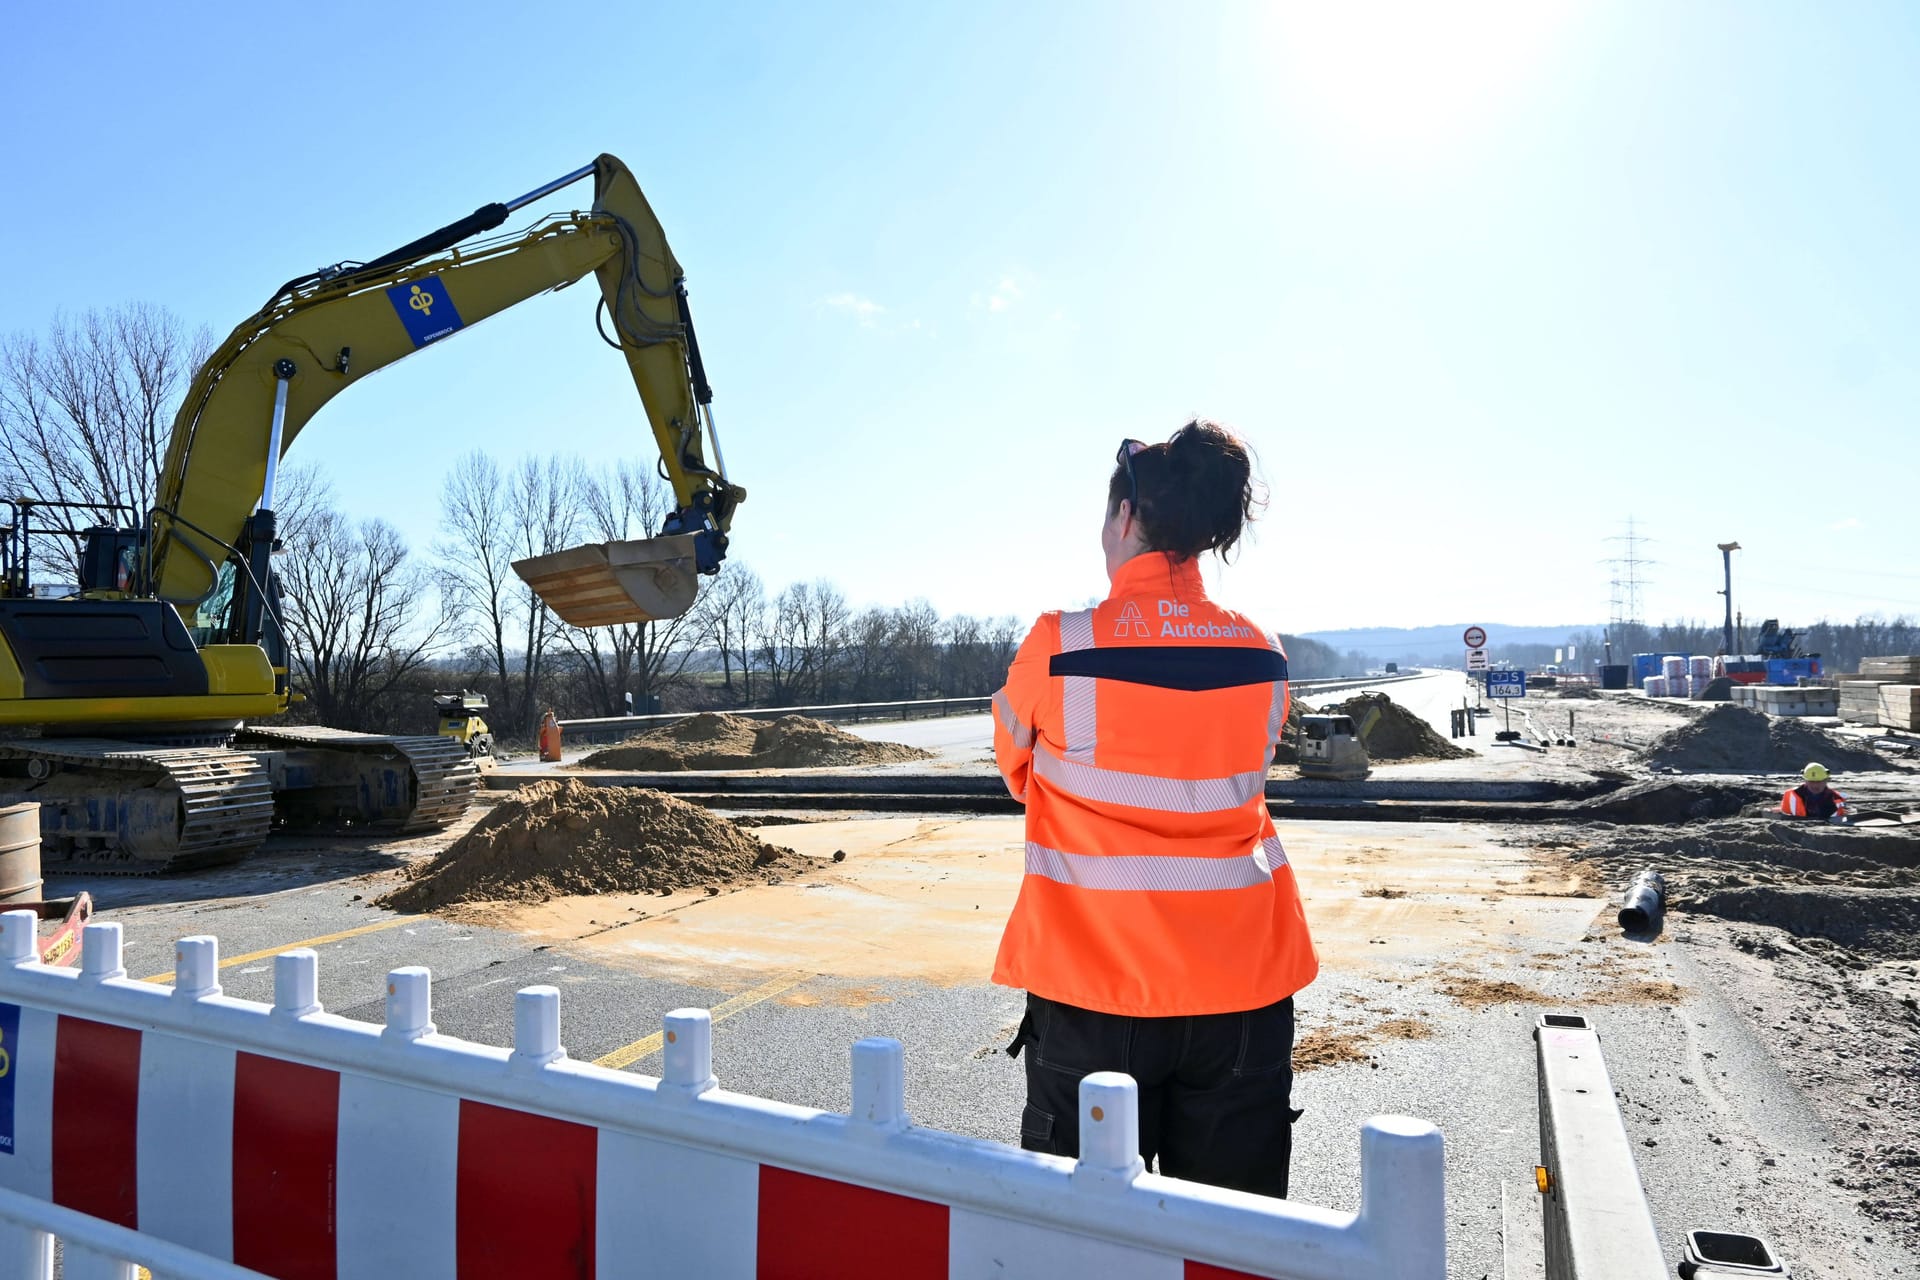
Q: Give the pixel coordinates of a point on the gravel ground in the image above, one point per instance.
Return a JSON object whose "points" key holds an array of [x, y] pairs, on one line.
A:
{"points": [[1812, 933]]}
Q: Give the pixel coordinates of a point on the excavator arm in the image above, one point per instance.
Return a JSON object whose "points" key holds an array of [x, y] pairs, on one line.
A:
{"points": [[319, 334]]}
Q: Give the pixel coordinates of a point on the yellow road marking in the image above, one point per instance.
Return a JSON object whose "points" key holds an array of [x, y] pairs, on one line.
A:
{"points": [[378, 925], [627, 1055]]}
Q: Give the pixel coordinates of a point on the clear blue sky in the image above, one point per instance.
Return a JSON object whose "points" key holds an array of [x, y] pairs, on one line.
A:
{"points": [[1479, 282]]}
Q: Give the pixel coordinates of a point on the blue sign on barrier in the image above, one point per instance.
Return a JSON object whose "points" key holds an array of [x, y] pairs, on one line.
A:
{"points": [[1506, 684]]}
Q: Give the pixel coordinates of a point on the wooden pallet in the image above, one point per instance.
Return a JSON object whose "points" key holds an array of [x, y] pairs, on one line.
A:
{"points": [[1860, 701], [1900, 706]]}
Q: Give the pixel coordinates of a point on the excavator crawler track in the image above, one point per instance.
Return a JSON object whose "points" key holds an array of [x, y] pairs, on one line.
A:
{"points": [[333, 777], [121, 808]]}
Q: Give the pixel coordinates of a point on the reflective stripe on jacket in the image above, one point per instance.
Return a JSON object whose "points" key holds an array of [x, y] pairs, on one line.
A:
{"points": [[1139, 733], [1797, 803]]}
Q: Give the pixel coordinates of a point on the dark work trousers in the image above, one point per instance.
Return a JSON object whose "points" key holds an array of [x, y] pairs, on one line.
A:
{"points": [[1214, 1088]]}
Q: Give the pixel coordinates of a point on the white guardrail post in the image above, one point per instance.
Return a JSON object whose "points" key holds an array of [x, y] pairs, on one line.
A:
{"points": [[237, 1136]]}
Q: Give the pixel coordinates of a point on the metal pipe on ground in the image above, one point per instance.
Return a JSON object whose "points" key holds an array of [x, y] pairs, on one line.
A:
{"points": [[1646, 903]]}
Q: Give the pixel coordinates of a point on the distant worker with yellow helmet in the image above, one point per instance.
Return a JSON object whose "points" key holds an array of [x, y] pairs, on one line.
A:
{"points": [[1814, 798]]}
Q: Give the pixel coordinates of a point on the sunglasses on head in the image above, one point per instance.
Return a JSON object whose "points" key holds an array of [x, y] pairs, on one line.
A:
{"points": [[1124, 457]]}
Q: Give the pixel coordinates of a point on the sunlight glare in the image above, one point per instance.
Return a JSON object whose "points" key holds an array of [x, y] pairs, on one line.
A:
{"points": [[1405, 77]]}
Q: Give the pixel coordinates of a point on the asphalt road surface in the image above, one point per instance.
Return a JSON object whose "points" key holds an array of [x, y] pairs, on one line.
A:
{"points": [[1403, 913]]}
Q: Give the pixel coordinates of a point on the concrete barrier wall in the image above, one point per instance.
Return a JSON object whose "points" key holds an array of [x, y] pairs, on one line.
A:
{"points": [[207, 1136]]}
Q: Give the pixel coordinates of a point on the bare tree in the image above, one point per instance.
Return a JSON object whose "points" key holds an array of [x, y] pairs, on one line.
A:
{"points": [[638, 658], [361, 619], [917, 638], [488, 520], [734, 604], [870, 657], [545, 508], [804, 641], [475, 560], [85, 416]]}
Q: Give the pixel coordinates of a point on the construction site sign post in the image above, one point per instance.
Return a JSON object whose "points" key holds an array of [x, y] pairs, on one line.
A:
{"points": [[1506, 685], [1476, 638]]}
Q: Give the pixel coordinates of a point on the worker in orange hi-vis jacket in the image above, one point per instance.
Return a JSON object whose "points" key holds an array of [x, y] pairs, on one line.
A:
{"points": [[1815, 797], [1158, 929]]}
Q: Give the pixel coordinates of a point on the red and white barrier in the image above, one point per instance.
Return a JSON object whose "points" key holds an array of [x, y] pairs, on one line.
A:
{"points": [[204, 1136]]}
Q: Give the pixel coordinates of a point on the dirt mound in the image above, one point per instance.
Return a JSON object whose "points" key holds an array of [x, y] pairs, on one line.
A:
{"points": [[1877, 922], [1585, 691], [1731, 739], [1718, 689], [1665, 801], [1860, 855], [715, 740], [1396, 733], [1855, 887], [556, 839]]}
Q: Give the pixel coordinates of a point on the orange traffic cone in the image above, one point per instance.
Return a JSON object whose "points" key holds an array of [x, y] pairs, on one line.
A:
{"points": [[549, 738]]}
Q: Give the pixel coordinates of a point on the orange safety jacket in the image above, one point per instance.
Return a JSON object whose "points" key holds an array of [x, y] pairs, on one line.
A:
{"points": [[1798, 804], [1138, 733]]}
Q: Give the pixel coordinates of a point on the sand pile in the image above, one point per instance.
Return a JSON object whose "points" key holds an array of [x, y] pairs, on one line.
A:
{"points": [[1854, 887], [561, 838], [715, 740], [1397, 733], [1731, 739], [1670, 801]]}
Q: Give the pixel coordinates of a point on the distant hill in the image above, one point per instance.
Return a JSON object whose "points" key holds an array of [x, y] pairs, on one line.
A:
{"points": [[1441, 643]]}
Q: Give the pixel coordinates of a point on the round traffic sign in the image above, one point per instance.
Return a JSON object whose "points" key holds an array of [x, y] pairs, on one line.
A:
{"points": [[1476, 637]]}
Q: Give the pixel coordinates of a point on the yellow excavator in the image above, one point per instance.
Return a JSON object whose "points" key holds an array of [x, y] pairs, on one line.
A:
{"points": [[130, 708]]}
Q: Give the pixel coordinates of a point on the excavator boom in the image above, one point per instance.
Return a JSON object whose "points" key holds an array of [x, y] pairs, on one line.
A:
{"points": [[320, 334]]}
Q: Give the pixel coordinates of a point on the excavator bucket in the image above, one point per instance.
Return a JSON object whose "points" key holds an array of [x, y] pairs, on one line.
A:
{"points": [[607, 583]]}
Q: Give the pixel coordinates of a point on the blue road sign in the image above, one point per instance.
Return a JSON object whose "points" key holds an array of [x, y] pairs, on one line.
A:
{"points": [[1506, 684]]}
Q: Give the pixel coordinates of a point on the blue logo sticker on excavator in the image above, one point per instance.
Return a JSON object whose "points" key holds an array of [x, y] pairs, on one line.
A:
{"points": [[426, 310], [9, 1053]]}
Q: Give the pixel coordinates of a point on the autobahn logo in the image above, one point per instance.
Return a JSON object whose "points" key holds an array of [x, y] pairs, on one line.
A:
{"points": [[1131, 617]]}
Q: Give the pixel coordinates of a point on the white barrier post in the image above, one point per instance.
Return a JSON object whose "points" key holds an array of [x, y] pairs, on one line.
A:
{"points": [[100, 953], [409, 1003], [80, 1263], [1402, 1165], [1109, 1132], [879, 1086], [536, 1028], [196, 968], [19, 934], [400, 1122], [296, 983], [687, 1071], [23, 1251]]}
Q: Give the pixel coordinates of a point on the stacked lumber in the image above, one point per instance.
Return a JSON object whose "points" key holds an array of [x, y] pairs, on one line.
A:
{"points": [[1904, 669], [1900, 706], [1860, 701]]}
